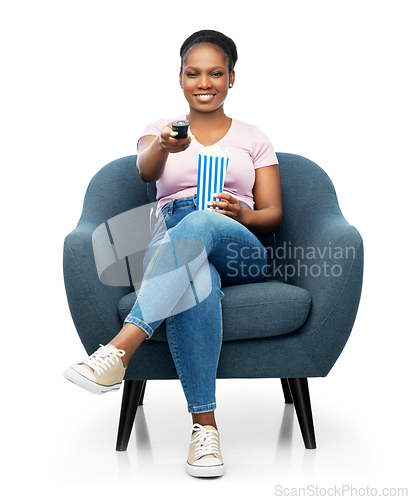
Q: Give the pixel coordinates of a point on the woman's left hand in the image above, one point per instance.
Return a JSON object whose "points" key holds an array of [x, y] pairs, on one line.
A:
{"points": [[228, 205]]}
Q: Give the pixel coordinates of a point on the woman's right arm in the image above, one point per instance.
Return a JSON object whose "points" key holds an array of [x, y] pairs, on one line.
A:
{"points": [[153, 152]]}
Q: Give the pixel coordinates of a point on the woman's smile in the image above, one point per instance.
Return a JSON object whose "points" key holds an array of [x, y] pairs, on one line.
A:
{"points": [[205, 97]]}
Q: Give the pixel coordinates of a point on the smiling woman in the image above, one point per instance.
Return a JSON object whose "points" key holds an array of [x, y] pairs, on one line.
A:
{"points": [[197, 240]]}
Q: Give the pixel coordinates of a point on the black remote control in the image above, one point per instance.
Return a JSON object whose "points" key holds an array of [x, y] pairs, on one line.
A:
{"points": [[181, 127]]}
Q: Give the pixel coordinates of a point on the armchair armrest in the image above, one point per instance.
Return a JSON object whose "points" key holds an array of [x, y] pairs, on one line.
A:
{"points": [[325, 257], [320, 251], [115, 190], [92, 304]]}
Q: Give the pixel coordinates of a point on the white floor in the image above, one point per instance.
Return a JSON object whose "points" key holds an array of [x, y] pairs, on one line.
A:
{"points": [[60, 440]]}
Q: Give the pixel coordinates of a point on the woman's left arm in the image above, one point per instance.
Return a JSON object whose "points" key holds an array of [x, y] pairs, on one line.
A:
{"points": [[268, 210]]}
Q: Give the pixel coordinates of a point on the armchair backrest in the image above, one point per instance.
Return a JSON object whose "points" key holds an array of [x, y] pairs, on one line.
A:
{"points": [[306, 188], [307, 192], [115, 189]]}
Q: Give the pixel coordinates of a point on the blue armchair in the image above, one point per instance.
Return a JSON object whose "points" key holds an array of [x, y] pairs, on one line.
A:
{"points": [[292, 326]]}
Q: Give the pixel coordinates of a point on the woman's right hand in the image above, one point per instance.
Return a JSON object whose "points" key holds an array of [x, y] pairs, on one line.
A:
{"points": [[153, 152], [173, 144]]}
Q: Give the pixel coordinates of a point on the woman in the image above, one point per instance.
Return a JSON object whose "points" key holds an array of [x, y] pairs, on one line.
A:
{"points": [[201, 241]]}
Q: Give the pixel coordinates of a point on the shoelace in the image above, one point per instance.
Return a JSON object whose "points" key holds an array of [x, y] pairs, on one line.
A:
{"points": [[104, 359], [206, 441]]}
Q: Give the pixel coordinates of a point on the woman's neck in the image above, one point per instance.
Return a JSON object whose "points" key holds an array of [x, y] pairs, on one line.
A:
{"points": [[209, 128], [206, 121]]}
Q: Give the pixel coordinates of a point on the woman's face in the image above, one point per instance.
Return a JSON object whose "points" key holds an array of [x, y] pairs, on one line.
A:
{"points": [[205, 78]]}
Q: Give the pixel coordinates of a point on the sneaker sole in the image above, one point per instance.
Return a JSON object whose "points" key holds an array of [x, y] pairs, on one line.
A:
{"points": [[87, 384], [202, 471]]}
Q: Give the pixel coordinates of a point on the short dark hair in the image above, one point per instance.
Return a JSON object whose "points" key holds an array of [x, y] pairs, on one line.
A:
{"points": [[223, 42]]}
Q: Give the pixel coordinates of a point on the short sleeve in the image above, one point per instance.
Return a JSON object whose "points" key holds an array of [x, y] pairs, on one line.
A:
{"points": [[154, 128], [263, 151]]}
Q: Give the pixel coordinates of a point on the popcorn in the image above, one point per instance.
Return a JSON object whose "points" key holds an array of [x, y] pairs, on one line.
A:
{"points": [[211, 173]]}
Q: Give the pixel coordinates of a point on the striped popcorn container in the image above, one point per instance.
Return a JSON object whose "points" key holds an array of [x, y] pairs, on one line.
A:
{"points": [[211, 173]]}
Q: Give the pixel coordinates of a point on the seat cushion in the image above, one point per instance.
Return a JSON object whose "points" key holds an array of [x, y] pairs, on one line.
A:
{"points": [[250, 311]]}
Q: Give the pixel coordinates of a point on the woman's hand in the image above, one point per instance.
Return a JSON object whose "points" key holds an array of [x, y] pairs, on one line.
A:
{"points": [[228, 205], [267, 214], [153, 152], [170, 142]]}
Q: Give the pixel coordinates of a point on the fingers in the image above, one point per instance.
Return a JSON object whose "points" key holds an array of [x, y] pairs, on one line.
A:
{"points": [[225, 196], [171, 142], [226, 204], [172, 136], [223, 200], [174, 133]]}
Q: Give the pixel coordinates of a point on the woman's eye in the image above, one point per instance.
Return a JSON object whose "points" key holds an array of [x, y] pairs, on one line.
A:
{"points": [[217, 74], [191, 75]]}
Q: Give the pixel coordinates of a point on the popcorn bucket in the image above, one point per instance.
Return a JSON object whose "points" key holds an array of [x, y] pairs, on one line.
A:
{"points": [[211, 173]]}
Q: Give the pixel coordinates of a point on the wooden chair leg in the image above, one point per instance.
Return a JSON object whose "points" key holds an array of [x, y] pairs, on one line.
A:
{"points": [[287, 392], [142, 394], [131, 398], [301, 397]]}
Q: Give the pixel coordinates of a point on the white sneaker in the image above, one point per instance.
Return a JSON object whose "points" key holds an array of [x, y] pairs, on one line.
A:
{"points": [[101, 372], [204, 458]]}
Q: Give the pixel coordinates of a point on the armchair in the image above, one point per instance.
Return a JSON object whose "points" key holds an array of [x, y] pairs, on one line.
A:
{"points": [[293, 325]]}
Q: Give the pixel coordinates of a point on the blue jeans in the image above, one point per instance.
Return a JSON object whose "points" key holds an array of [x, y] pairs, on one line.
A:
{"points": [[193, 254]]}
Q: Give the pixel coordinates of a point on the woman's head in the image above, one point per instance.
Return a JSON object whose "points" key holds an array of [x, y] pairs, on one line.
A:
{"points": [[211, 37], [208, 58]]}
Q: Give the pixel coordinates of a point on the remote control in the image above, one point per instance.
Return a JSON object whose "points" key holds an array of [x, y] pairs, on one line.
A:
{"points": [[181, 127]]}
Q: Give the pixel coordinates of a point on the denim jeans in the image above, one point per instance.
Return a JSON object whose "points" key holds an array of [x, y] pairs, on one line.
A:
{"points": [[193, 254]]}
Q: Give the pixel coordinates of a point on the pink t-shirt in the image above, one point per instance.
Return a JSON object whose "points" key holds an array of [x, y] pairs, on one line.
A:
{"points": [[249, 149]]}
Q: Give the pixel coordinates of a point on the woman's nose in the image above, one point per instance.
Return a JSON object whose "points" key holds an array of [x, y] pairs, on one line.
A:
{"points": [[204, 82]]}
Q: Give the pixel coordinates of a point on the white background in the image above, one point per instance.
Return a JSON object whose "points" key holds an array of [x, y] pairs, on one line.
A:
{"points": [[80, 79]]}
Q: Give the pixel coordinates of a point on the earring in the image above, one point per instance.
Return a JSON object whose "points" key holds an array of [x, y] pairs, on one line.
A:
{"points": [[231, 85]]}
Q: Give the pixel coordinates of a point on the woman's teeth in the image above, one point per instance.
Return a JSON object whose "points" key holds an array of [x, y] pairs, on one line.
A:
{"points": [[204, 97]]}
